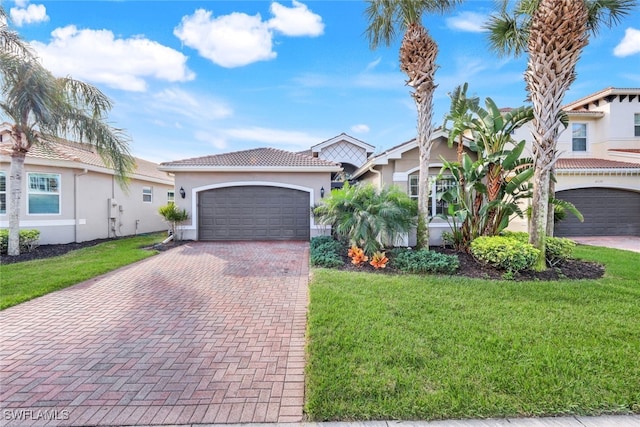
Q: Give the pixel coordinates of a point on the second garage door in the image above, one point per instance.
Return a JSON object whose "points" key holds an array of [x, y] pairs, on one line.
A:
{"points": [[253, 213], [606, 211]]}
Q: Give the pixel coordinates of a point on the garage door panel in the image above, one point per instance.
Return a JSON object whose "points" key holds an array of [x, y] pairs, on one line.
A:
{"points": [[253, 213], [606, 211]]}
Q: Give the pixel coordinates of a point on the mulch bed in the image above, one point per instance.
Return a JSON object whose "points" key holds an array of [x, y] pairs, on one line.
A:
{"points": [[469, 266]]}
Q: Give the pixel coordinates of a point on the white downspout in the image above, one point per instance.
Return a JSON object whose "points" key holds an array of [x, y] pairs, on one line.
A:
{"points": [[371, 169], [76, 205]]}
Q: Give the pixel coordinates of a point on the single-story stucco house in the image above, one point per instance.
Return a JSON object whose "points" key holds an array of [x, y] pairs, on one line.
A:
{"points": [[71, 196], [266, 193], [258, 194]]}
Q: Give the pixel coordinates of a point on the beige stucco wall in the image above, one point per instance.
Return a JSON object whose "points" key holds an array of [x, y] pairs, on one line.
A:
{"points": [[84, 206], [196, 182]]}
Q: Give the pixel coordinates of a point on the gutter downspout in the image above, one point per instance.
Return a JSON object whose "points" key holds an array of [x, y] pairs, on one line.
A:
{"points": [[76, 206], [372, 170]]}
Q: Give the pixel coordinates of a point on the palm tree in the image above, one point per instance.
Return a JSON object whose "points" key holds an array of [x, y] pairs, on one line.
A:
{"points": [[553, 33], [43, 107], [418, 52]]}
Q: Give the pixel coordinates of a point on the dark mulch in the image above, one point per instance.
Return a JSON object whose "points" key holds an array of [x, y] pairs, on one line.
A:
{"points": [[469, 266]]}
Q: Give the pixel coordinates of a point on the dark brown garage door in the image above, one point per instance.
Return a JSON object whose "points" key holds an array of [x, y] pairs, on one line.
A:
{"points": [[253, 213], [607, 212]]}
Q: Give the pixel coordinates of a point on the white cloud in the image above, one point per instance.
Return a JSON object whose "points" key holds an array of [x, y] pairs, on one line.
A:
{"points": [[360, 128], [97, 56], [200, 109], [211, 139], [373, 64], [238, 39], [630, 44], [273, 136], [471, 22], [295, 21], [23, 14], [230, 41]]}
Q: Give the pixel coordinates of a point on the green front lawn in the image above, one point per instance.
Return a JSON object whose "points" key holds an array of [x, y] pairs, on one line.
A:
{"points": [[27, 280], [424, 347]]}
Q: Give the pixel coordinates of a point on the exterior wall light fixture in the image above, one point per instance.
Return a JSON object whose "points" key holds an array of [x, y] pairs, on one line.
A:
{"points": [[183, 193], [322, 192]]}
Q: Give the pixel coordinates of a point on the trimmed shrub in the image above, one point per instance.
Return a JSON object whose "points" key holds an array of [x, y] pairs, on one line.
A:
{"points": [[505, 253], [423, 261], [29, 240], [325, 252], [558, 249]]}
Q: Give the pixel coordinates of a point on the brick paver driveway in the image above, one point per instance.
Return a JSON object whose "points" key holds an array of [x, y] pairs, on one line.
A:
{"points": [[204, 333]]}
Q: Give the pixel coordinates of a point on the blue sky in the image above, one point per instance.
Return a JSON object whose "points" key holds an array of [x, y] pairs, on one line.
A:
{"points": [[192, 78]]}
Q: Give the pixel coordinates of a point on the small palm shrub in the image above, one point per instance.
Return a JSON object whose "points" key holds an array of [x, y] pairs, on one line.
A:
{"points": [[367, 217], [423, 261], [174, 216], [506, 253], [325, 252], [28, 240]]}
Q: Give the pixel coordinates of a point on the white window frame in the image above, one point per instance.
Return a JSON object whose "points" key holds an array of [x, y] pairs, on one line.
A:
{"points": [[147, 191], [574, 127], [32, 191], [636, 124], [433, 195], [171, 196], [3, 192]]}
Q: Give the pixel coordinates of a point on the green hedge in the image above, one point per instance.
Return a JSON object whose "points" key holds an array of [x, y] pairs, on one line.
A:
{"points": [[558, 249], [423, 261], [325, 251], [29, 240], [506, 253]]}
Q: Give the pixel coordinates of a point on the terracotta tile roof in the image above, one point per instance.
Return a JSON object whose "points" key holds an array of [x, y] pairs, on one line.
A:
{"points": [[590, 163], [257, 157], [83, 154], [626, 150]]}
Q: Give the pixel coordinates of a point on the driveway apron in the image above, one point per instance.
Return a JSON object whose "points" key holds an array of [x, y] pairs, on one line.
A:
{"points": [[203, 333]]}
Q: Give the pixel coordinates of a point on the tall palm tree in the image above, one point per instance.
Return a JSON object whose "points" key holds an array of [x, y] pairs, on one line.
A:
{"points": [[418, 52], [553, 33], [41, 108]]}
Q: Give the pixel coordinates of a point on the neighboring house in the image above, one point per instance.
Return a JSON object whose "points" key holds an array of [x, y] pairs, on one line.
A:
{"points": [[599, 165], [258, 194], [71, 196]]}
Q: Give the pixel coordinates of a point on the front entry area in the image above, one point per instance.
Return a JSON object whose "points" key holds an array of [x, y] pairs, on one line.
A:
{"points": [[253, 212]]}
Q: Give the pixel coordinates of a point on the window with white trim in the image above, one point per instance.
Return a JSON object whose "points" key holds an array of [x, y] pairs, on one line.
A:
{"points": [[147, 194], [171, 196], [636, 123], [579, 137], [3, 193], [43, 193], [437, 187]]}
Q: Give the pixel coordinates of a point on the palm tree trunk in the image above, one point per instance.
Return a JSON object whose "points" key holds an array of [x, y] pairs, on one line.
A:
{"points": [[551, 213], [15, 189], [418, 60], [557, 35]]}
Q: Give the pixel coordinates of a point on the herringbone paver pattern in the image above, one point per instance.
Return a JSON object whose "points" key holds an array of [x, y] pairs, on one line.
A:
{"points": [[204, 333]]}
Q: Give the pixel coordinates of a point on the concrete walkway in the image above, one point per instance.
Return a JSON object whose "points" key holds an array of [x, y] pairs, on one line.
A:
{"points": [[627, 243], [204, 333]]}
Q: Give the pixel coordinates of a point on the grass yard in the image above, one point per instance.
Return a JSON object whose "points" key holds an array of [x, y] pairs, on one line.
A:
{"points": [[412, 347], [27, 280]]}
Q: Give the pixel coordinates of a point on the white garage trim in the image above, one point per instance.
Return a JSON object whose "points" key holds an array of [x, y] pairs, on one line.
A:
{"points": [[598, 185], [196, 190]]}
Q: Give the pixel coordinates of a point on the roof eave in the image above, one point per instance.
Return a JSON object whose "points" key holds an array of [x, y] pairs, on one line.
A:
{"points": [[196, 168]]}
